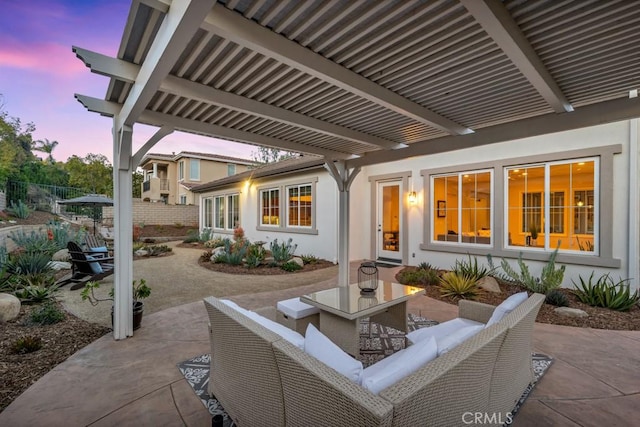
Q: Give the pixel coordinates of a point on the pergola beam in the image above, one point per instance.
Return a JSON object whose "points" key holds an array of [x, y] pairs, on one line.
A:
{"points": [[591, 115], [161, 133], [496, 21], [233, 26]]}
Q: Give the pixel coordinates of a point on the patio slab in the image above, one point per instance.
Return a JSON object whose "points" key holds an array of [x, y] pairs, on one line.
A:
{"points": [[593, 381]]}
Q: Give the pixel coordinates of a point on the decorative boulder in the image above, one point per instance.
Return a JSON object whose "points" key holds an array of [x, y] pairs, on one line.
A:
{"points": [[9, 307], [298, 261], [60, 265], [61, 255], [570, 312], [489, 284], [141, 252]]}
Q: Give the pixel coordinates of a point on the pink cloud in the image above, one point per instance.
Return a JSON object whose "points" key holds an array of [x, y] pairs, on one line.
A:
{"points": [[45, 57]]}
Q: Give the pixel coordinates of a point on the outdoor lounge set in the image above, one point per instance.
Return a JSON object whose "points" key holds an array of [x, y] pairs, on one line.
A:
{"points": [[265, 374]]}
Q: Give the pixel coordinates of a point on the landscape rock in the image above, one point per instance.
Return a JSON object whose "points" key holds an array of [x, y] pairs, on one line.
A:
{"points": [[60, 265], [9, 307], [570, 312], [141, 252], [489, 284], [61, 255], [217, 251], [298, 261]]}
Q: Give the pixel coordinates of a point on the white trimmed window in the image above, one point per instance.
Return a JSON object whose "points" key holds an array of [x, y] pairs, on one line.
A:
{"points": [[552, 205], [462, 207], [181, 170], [183, 199], [225, 211], [207, 214], [231, 169], [299, 209], [194, 169], [270, 206]]}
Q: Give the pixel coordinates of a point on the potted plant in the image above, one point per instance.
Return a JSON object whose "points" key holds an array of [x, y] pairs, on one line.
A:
{"points": [[140, 291]]}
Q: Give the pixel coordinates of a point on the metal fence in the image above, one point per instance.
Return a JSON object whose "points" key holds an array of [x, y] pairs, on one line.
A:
{"points": [[45, 197]]}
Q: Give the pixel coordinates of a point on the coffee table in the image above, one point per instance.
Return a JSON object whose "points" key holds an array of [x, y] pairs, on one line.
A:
{"points": [[341, 309]]}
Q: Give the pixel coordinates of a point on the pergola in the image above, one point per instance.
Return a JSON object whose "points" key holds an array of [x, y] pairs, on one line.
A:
{"points": [[359, 82]]}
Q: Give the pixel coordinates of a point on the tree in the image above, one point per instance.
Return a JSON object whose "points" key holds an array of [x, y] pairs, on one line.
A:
{"points": [[92, 173], [138, 177], [46, 146], [15, 146], [271, 155]]}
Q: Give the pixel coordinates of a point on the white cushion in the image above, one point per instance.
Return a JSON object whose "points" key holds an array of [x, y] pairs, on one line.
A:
{"points": [[506, 307], [392, 369], [441, 330], [316, 344], [290, 335], [96, 268], [448, 343], [296, 309]]}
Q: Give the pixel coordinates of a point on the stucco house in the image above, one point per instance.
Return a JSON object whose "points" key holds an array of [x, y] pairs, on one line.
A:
{"points": [[169, 178], [575, 188]]}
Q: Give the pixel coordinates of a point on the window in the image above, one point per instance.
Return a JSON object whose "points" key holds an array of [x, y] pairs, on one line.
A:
{"points": [[461, 205], [225, 211], [183, 199], [231, 169], [540, 213], [233, 211], [207, 215], [270, 206], [194, 169], [218, 212], [299, 209], [181, 170]]}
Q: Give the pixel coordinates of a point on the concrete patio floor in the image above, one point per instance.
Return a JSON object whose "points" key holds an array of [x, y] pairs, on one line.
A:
{"points": [[594, 380]]}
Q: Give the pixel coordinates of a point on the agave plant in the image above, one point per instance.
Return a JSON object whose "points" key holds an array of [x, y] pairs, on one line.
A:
{"points": [[459, 285], [605, 292]]}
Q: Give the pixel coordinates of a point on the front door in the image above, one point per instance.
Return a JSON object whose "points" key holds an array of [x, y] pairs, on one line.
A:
{"points": [[389, 221]]}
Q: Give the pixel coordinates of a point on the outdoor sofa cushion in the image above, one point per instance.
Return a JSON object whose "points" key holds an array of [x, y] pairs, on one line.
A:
{"points": [[296, 309], [99, 252], [403, 363], [444, 330], [506, 307], [292, 336], [316, 344]]}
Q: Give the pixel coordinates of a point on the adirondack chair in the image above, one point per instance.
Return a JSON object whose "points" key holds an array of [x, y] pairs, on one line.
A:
{"points": [[97, 245], [86, 266]]}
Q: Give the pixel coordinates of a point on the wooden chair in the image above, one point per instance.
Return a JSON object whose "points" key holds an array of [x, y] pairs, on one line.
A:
{"points": [[86, 266], [92, 242]]}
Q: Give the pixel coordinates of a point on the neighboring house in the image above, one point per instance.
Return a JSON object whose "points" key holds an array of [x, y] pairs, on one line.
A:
{"points": [[577, 189], [169, 178]]}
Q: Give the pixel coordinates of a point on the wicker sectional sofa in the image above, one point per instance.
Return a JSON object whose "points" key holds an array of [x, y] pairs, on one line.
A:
{"points": [[262, 379]]}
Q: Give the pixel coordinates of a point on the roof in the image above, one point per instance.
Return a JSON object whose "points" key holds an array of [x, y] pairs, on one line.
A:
{"points": [[372, 81], [190, 154], [283, 167]]}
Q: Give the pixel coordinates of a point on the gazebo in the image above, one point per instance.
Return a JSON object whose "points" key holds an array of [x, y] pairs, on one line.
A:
{"points": [[359, 82]]}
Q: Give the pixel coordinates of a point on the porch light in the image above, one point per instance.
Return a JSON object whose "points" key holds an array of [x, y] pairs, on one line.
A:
{"points": [[413, 198]]}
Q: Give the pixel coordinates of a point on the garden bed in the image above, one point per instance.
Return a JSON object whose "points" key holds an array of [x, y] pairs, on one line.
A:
{"points": [[262, 270]]}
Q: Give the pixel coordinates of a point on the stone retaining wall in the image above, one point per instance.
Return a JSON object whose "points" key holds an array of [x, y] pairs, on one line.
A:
{"points": [[157, 214], [3, 200], [5, 231]]}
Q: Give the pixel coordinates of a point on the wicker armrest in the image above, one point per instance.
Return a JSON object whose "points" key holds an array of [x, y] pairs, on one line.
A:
{"points": [[478, 311], [315, 394]]}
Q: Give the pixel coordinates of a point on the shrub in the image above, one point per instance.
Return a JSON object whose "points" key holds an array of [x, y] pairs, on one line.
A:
{"points": [[27, 344], [309, 259], [418, 277], [470, 268], [137, 246], [34, 241], [282, 252], [25, 263], [605, 292], [206, 256], [192, 236], [62, 233], [206, 235], [19, 210], [425, 266], [216, 242], [557, 298], [455, 285], [291, 266], [255, 255], [47, 314], [33, 294], [156, 250], [233, 253], [179, 225], [550, 277]]}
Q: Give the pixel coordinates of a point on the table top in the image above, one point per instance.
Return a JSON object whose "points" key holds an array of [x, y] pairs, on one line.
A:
{"points": [[348, 302]]}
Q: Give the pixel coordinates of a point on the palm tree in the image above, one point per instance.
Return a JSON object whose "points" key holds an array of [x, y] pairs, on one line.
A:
{"points": [[46, 146]]}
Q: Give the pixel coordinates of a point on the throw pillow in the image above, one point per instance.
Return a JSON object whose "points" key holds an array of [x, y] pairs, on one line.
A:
{"points": [[506, 307], [100, 251], [403, 363], [95, 267], [316, 344]]}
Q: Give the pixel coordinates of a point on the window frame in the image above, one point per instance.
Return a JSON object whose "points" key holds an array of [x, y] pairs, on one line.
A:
{"points": [[299, 207], [225, 197], [230, 167], [181, 170], [605, 258], [283, 215], [192, 163], [437, 203]]}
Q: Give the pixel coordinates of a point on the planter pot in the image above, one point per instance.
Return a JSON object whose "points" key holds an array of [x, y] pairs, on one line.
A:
{"points": [[138, 309]]}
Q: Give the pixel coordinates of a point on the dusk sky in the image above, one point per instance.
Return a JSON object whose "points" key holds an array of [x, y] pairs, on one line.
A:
{"points": [[39, 75]]}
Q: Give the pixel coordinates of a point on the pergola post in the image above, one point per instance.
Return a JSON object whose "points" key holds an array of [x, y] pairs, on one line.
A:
{"points": [[123, 239], [344, 178]]}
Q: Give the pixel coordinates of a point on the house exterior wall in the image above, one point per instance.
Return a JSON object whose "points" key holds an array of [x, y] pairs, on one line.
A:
{"points": [[614, 218], [320, 241]]}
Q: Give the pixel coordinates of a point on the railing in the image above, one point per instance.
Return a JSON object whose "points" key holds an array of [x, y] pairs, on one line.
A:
{"points": [[40, 196]]}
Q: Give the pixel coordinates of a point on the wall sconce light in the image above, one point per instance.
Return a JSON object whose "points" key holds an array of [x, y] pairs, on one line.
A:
{"points": [[413, 198]]}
